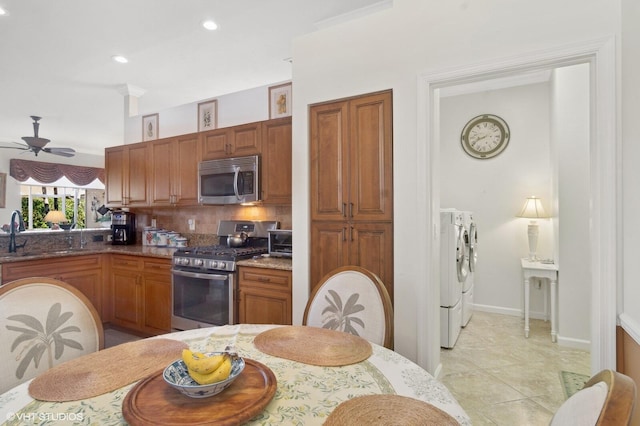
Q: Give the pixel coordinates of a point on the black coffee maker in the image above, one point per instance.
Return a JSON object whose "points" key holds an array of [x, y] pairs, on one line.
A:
{"points": [[123, 228]]}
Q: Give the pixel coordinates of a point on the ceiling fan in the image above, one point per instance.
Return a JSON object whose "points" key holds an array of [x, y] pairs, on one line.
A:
{"points": [[37, 144]]}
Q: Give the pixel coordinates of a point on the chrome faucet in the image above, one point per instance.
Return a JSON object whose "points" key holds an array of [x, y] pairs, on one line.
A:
{"points": [[83, 242], [12, 238]]}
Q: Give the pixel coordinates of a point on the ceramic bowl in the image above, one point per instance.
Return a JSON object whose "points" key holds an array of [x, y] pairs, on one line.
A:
{"points": [[177, 375]]}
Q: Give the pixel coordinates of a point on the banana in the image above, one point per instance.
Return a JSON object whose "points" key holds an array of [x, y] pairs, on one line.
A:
{"points": [[220, 374], [200, 363]]}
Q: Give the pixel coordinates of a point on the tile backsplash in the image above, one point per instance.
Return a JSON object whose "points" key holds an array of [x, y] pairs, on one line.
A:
{"points": [[206, 218]]}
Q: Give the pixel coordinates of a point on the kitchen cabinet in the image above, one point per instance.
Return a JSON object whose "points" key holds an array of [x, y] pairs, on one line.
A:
{"points": [[126, 170], [351, 186], [141, 293], [174, 170], [84, 272], [264, 296], [236, 141], [366, 244], [276, 161]]}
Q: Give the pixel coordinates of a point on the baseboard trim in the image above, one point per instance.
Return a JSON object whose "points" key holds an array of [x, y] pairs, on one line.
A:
{"points": [[574, 343], [510, 311]]}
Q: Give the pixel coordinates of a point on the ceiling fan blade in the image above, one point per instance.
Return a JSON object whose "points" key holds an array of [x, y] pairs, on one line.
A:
{"points": [[17, 146], [65, 152]]}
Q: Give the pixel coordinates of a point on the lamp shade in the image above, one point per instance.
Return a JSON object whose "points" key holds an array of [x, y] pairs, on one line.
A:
{"points": [[55, 216], [533, 209]]}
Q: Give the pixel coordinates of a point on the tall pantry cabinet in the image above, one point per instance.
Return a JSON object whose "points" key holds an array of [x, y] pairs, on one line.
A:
{"points": [[351, 186]]}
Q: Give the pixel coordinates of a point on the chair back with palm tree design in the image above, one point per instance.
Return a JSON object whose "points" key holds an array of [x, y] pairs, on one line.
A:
{"points": [[354, 300], [43, 322]]}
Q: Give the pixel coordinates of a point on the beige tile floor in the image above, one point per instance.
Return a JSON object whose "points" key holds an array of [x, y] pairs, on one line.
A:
{"points": [[501, 378], [113, 337]]}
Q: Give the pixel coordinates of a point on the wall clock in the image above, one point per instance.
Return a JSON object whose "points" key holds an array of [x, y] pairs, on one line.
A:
{"points": [[485, 136]]}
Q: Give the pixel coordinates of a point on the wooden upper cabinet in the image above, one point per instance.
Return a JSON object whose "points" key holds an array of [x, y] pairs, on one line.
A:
{"points": [[215, 144], [236, 141], [114, 172], [351, 159], [370, 158], [329, 161], [276, 161], [174, 170], [126, 168], [161, 188]]}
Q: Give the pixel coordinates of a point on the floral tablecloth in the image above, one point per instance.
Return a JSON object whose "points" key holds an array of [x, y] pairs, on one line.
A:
{"points": [[306, 394]]}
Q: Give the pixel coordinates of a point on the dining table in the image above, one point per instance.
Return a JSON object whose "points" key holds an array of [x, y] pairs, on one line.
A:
{"points": [[304, 393]]}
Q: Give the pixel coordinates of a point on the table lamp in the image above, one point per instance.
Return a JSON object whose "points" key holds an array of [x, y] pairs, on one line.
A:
{"points": [[532, 209], [55, 217]]}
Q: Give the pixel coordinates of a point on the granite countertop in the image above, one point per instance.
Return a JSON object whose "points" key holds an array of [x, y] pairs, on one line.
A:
{"points": [[268, 262], [138, 250]]}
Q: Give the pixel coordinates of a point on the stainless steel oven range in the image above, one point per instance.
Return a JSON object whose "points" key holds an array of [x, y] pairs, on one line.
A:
{"points": [[204, 278]]}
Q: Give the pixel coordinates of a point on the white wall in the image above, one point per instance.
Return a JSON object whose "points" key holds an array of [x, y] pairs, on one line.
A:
{"points": [[390, 49], [629, 301], [495, 189], [242, 107], [570, 139]]}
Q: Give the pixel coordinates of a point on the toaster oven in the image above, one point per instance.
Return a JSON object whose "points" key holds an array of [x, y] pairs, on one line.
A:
{"points": [[280, 243]]}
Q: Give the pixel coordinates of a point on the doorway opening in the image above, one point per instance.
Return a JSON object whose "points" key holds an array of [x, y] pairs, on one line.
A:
{"points": [[602, 262]]}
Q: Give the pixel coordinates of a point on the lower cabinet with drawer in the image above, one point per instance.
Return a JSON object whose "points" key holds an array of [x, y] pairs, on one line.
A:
{"points": [[264, 296], [141, 293], [84, 272]]}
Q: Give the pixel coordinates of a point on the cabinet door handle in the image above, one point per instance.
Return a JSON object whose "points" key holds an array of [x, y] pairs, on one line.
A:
{"points": [[344, 209], [344, 233], [350, 209], [351, 233]]}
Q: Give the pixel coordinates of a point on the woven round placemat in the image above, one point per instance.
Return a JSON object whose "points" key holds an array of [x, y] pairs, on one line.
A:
{"points": [[105, 371], [313, 345], [387, 410]]}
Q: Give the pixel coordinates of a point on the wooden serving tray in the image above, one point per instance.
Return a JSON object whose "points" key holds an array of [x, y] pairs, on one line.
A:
{"points": [[152, 401]]}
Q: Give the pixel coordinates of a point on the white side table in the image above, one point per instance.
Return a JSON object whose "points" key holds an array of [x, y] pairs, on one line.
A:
{"points": [[535, 269]]}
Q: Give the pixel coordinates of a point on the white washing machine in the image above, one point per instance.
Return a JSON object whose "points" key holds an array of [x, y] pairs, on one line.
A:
{"points": [[472, 255], [454, 268]]}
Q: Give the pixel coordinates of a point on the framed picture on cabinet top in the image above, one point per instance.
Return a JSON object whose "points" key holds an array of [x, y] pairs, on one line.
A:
{"points": [[280, 100], [208, 115], [150, 127], [3, 190]]}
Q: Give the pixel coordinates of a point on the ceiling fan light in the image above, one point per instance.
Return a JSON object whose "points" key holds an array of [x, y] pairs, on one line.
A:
{"points": [[35, 142]]}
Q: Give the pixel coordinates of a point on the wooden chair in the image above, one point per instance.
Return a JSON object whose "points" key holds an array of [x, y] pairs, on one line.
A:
{"points": [[607, 399], [43, 322], [353, 300]]}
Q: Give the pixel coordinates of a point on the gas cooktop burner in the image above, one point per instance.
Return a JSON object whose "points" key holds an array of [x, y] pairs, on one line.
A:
{"points": [[220, 250], [221, 257], [213, 258]]}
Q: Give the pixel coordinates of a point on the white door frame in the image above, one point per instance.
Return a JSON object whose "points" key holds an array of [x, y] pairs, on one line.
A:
{"points": [[604, 199]]}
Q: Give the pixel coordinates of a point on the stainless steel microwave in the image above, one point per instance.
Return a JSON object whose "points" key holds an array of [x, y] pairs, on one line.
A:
{"points": [[229, 180]]}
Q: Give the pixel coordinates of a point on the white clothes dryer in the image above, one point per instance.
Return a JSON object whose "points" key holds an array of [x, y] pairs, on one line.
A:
{"points": [[454, 268], [472, 254]]}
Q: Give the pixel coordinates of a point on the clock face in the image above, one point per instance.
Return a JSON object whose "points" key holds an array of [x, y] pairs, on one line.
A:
{"points": [[485, 136]]}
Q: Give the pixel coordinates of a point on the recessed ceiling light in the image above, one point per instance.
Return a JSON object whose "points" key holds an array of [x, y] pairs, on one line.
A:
{"points": [[2, 11], [120, 59], [210, 25]]}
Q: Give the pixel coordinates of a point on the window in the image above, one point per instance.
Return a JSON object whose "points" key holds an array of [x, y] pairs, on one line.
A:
{"points": [[38, 200]]}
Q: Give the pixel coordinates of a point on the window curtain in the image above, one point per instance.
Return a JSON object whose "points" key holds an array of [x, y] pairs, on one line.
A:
{"points": [[22, 170]]}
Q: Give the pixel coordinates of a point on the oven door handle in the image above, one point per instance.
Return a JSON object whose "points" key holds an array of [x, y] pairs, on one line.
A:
{"points": [[199, 275]]}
